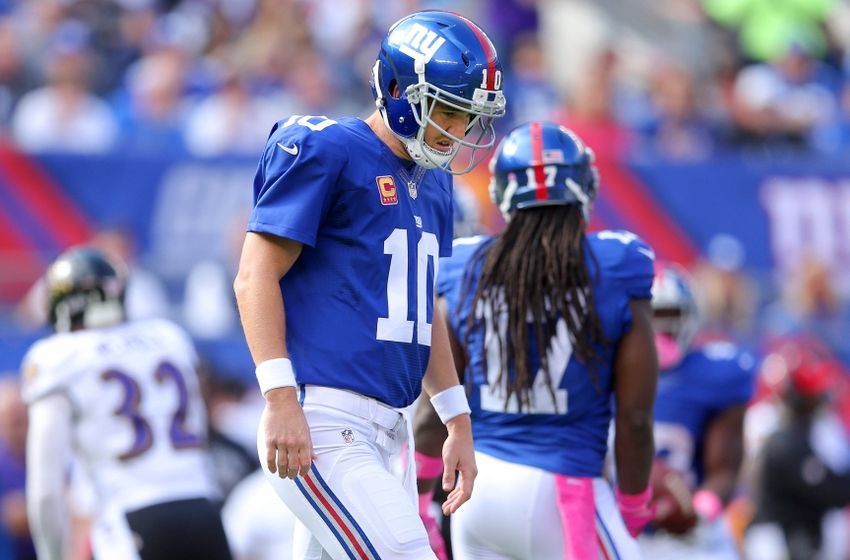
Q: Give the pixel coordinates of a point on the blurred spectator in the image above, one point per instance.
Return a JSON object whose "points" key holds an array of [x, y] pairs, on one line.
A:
{"points": [[311, 80], [64, 116], [677, 127], [527, 84], [153, 111], [14, 528], [833, 136], [804, 468], [13, 77], [232, 121], [785, 100], [765, 26], [590, 110], [270, 39], [510, 22], [728, 295], [811, 305]]}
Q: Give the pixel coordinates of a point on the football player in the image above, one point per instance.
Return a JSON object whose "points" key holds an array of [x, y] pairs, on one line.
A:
{"points": [[703, 391], [350, 218], [121, 400], [802, 475], [548, 324]]}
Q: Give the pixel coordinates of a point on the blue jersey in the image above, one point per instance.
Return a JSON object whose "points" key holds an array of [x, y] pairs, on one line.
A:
{"points": [[359, 299], [690, 395], [567, 434]]}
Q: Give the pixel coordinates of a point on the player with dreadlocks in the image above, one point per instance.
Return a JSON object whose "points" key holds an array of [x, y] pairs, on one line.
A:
{"points": [[547, 324]]}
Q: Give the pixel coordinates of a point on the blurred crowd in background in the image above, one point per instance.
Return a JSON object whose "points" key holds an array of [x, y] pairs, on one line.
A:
{"points": [[684, 78], [681, 80]]}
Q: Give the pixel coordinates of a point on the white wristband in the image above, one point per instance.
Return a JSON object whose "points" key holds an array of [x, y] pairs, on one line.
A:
{"points": [[450, 403], [275, 373]]}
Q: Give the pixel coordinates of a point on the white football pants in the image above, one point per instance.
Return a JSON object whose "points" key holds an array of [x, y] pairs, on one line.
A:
{"points": [[351, 503]]}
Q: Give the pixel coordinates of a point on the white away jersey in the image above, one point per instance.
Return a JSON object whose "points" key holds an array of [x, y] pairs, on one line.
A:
{"points": [[139, 423]]}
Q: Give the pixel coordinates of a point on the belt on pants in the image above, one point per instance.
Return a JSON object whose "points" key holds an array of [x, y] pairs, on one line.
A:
{"points": [[361, 406], [396, 422]]}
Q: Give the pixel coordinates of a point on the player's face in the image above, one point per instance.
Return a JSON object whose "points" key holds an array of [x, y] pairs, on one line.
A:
{"points": [[449, 119]]}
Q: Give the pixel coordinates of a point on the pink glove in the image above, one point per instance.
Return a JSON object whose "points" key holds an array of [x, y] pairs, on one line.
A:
{"points": [[636, 510], [435, 537]]}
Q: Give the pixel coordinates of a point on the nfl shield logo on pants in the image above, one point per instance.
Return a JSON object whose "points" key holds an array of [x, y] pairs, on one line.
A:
{"points": [[347, 435]]}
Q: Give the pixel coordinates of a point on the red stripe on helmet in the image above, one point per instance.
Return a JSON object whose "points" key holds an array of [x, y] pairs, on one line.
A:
{"points": [[537, 160], [489, 51]]}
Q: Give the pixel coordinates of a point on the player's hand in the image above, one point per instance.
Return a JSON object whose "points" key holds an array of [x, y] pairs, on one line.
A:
{"points": [[637, 510], [459, 461], [289, 448]]}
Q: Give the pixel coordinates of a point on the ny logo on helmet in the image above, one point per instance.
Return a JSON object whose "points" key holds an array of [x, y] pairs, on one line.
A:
{"points": [[417, 42]]}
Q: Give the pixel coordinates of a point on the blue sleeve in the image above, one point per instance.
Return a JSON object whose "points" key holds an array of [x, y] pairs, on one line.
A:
{"points": [[731, 374], [626, 266], [450, 277], [740, 379], [295, 182], [628, 260], [452, 268]]}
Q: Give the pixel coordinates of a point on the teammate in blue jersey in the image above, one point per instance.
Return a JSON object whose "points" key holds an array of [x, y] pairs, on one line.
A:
{"points": [[703, 391], [336, 281], [549, 323]]}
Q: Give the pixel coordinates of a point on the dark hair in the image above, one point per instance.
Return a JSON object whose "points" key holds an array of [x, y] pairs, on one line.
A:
{"points": [[536, 270]]}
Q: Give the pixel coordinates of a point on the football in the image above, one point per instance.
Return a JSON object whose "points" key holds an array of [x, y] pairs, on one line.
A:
{"points": [[673, 500]]}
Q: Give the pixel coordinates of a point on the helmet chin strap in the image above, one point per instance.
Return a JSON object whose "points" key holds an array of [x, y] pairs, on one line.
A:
{"points": [[425, 155]]}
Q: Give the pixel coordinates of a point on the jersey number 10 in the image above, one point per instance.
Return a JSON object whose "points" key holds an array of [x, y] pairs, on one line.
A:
{"points": [[396, 326]]}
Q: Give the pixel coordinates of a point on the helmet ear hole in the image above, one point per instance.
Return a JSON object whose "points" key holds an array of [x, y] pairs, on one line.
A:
{"points": [[394, 90]]}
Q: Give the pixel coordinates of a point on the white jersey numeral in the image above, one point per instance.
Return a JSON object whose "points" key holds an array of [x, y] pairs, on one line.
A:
{"points": [[396, 327], [624, 237], [559, 353], [322, 122]]}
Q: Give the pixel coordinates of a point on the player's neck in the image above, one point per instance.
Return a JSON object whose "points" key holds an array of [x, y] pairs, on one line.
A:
{"points": [[376, 123]]}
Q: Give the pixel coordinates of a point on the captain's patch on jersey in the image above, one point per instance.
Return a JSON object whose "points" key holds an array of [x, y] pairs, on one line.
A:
{"points": [[387, 190]]}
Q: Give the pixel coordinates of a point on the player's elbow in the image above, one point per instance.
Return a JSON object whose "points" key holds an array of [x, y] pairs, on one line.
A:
{"points": [[635, 423], [242, 283]]}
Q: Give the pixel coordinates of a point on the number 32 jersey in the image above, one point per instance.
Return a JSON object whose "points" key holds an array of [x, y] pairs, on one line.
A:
{"points": [[139, 422], [568, 434], [359, 299]]}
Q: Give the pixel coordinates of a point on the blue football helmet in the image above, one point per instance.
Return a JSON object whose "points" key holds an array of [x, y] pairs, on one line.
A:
{"points": [[431, 57], [542, 164], [675, 315]]}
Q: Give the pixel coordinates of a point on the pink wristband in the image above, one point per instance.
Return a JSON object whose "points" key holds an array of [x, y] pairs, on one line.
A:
{"points": [[635, 501], [707, 504], [427, 466]]}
